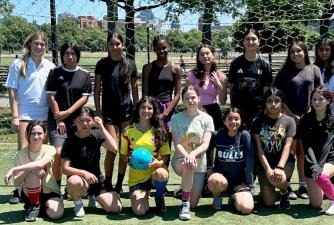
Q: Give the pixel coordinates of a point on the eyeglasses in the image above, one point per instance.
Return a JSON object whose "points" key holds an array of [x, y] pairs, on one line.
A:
{"points": [[270, 102]]}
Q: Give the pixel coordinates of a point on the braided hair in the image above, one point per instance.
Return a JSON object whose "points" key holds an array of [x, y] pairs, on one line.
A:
{"points": [[325, 92]]}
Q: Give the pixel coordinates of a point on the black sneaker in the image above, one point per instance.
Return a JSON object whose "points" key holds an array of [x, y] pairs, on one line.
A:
{"points": [[302, 192], [166, 192], [15, 199], [160, 203], [119, 191], [33, 212], [284, 203]]}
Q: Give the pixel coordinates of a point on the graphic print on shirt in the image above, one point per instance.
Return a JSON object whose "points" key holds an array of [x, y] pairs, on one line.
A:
{"points": [[190, 141], [230, 153], [249, 83], [272, 138]]}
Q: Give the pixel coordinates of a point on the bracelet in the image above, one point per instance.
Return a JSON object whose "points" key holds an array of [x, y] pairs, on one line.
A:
{"points": [[279, 167]]}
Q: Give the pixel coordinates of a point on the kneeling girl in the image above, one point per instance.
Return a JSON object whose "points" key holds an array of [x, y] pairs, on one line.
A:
{"points": [[233, 165], [147, 131], [80, 158]]}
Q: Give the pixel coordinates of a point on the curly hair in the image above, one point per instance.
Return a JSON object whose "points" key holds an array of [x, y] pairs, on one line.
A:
{"points": [[125, 67], [325, 92], [160, 132], [199, 69]]}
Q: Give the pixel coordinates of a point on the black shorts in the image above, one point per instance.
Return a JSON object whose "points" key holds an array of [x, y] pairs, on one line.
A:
{"points": [[308, 171], [214, 111], [144, 186], [231, 184], [118, 115], [43, 198]]}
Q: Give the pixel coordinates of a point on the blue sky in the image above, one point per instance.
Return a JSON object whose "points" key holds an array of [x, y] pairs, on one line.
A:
{"points": [[40, 11]]}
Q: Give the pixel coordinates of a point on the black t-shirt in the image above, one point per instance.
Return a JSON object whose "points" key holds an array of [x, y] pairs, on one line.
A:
{"points": [[317, 145], [273, 133], [249, 78], [231, 153], [84, 153], [112, 95], [68, 86]]}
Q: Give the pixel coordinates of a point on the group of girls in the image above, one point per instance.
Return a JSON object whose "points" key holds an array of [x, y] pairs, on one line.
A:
{"points": [[151, 123]]}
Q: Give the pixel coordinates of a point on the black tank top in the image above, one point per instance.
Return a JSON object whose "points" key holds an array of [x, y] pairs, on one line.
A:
{"points": [[161, 81]]}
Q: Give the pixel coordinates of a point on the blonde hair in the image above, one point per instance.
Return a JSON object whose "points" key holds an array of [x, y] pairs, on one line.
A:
{"points": [[26, 50]]}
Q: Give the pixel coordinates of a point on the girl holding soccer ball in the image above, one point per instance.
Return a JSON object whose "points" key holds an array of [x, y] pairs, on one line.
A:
{"points": [[147, 131]]}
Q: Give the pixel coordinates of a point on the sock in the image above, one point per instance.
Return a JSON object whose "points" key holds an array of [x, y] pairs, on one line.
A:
{"points": [[185, 195], [160, 186], [302, 184], [281, 193], [33, 194], [109, 180], [325, 184], [120, 179], [288, 184], [18, 187], [78, 202], [59, 183]]}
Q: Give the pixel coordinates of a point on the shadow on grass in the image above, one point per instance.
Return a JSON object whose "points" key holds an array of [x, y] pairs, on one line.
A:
{"points": [[4, 199]]}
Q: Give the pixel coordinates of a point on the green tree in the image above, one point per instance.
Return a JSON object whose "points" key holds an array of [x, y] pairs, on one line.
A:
{"points": [[68, 30], [176, 39], [6, 7], [46, 28], [93, 38], [15, 30], [220, 39], [326, 17], [193, 39]]}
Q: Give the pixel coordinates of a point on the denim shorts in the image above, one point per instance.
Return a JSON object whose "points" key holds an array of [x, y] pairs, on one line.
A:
{"points": [[144, 186]]}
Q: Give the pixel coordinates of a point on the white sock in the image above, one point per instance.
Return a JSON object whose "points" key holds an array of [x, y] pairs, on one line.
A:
{"points": [[288, 183], [281, 193], [302, 184], [18, 187], [78, 202]]}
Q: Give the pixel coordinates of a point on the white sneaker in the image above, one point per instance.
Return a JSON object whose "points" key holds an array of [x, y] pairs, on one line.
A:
{"points": [[184, 213], [330, 210], [92, 203], [79, 210], [178, 191]]}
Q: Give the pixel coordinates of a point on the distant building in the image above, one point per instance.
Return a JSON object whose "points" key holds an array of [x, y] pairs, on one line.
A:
{"points": [[159, 26], [66, 15], [146, 15], [214, 27], [35, 24], [85, 21], [175, 25]]}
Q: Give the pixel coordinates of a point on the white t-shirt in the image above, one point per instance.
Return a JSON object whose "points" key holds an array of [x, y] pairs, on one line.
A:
{"points": [[329, 84], [31, 94]]}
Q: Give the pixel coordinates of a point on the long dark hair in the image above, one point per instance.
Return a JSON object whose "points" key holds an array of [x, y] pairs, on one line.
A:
{"points": [[234, 110], [199, 69], [318, 61], [325, 92], [288, 67], [253, 31], [160, 132], [31, 125], [125, 68], [273, 91]]}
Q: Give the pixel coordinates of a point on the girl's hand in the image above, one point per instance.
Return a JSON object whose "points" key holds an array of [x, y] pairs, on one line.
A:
{"points": [[15, 124], [270, 175], [61, 127], [40, 173], [215, 79], [8, 176], [130, 165], [162, 116], [190, 161], [90, 178], [241, 187], [315, 175], [61, 115], [297, 120], [99, 122], [278, 174], [155, 163]]}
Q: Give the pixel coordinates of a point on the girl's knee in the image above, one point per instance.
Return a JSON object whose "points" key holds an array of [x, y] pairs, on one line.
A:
{"points": [[139, 210], [114, 209], [160, 174], [32, 177], [74, 182], [246, 210]]}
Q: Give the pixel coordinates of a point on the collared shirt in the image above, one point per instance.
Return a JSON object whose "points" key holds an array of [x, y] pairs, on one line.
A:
{"points": [[30, 91]]}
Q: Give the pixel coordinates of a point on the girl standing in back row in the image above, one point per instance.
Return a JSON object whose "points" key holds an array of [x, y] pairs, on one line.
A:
{"points": [[118, 76]]}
